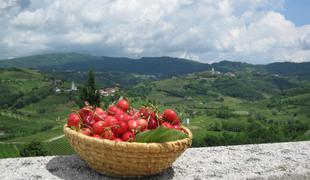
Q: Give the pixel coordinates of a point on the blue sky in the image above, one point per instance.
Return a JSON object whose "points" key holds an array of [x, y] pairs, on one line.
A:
{"points": [[253, 31], [297, 11]]}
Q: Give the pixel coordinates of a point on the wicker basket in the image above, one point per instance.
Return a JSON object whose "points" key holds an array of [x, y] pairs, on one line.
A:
{"points": [[124, 159]]}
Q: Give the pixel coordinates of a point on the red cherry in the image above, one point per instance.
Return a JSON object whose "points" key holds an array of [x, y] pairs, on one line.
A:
{"points": [[99, 111], [73, 120], [120, 128], [112, 110], [144, 112], [87, 120], [120, 116], [99, 114], [152, 114], [170, 115], [133, 125], [152, 124], [111, 120], [86, 131], [85, 112], [142, 124], [177, 121], [118, 111], [109, 135], [127, 118], [100, 117], [123, 104], [92, 122], [167, 125], [98, 127], [128, 136]]}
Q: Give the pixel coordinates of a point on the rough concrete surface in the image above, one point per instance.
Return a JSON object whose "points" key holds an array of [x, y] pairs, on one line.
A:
{"points": [[261, 161]]}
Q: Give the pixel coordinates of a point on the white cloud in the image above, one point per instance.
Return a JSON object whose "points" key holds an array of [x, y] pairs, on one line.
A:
{"points": [[29, 19], [252, 31]]}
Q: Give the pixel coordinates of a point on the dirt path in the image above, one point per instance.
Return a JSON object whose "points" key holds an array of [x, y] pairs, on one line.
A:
{"points": [[47, 140], [13, 142], [54, 138]]}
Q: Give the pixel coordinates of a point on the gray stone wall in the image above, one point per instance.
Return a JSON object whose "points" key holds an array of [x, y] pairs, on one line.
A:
{"points": [[262, 161]]}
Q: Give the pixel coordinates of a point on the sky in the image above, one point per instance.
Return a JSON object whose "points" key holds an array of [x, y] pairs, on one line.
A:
{"points": [[253, 31]]}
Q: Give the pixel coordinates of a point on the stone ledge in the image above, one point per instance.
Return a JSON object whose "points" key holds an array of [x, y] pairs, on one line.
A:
{"points": [[262, 161]]}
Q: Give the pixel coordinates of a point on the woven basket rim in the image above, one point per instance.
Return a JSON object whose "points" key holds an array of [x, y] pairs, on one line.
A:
{"points": [[68, 130]]}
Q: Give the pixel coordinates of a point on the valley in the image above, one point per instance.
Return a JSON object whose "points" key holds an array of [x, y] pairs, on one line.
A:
{"points": [[236, 103], [241, 110]]}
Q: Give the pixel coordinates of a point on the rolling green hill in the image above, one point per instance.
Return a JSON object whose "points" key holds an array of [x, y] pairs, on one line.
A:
{"points": [[242, 85], [279, 68], [30, 109], [289, 69], [159, 66], [247, 108], [162, 66], [241, 104], [103, 78]]}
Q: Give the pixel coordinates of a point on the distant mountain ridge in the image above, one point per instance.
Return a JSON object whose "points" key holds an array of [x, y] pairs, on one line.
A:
{"points": [[287, 68], [146, 65], [82, 62]]}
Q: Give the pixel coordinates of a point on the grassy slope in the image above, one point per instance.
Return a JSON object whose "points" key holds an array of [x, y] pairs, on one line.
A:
{"points": [[36, 121], [205, 100], [9, 150], [187, 94]]}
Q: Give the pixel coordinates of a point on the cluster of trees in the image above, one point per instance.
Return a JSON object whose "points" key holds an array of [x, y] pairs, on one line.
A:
{"points": [[8, 99], [282, 83], [223, 112], [196, 88], [232, 132], [19, 99], [139, 91], [33, 148], [34, 96], [235, 88]]}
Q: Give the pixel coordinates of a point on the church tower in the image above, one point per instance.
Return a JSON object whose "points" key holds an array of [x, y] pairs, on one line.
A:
{"points": [[73, 87]]}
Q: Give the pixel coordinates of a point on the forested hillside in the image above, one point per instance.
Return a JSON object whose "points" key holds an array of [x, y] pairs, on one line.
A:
{"points": [[245, 108], [235, 103]]}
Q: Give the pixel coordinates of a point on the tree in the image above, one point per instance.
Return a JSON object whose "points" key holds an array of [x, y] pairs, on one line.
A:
{"points": [[34, 148], [89, 92], [223, 112], [212, 139], [215, 126], [110, 99], [255, 131]]}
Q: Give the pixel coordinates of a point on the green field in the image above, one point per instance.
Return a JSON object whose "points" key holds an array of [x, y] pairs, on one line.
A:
{"points": [[59, 147], [223, 111], [9, 150], [30, 110], [248, 108]]}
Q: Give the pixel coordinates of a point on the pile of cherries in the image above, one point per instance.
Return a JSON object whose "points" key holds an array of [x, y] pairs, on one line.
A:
{"points": [[120, 122]]}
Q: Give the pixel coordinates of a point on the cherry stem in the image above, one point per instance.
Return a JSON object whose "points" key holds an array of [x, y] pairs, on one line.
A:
{"points": [[88, 126], [148, 119], [135, 114]]}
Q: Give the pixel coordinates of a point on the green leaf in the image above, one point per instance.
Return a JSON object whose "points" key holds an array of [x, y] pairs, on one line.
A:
{"points": [[159, 135]]}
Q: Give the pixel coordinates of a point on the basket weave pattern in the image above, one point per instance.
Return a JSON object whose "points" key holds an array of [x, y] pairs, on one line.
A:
{"points": [[124, 158]]}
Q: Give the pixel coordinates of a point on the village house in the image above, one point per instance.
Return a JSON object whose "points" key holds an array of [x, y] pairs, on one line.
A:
{"points": [[108, 91]]}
